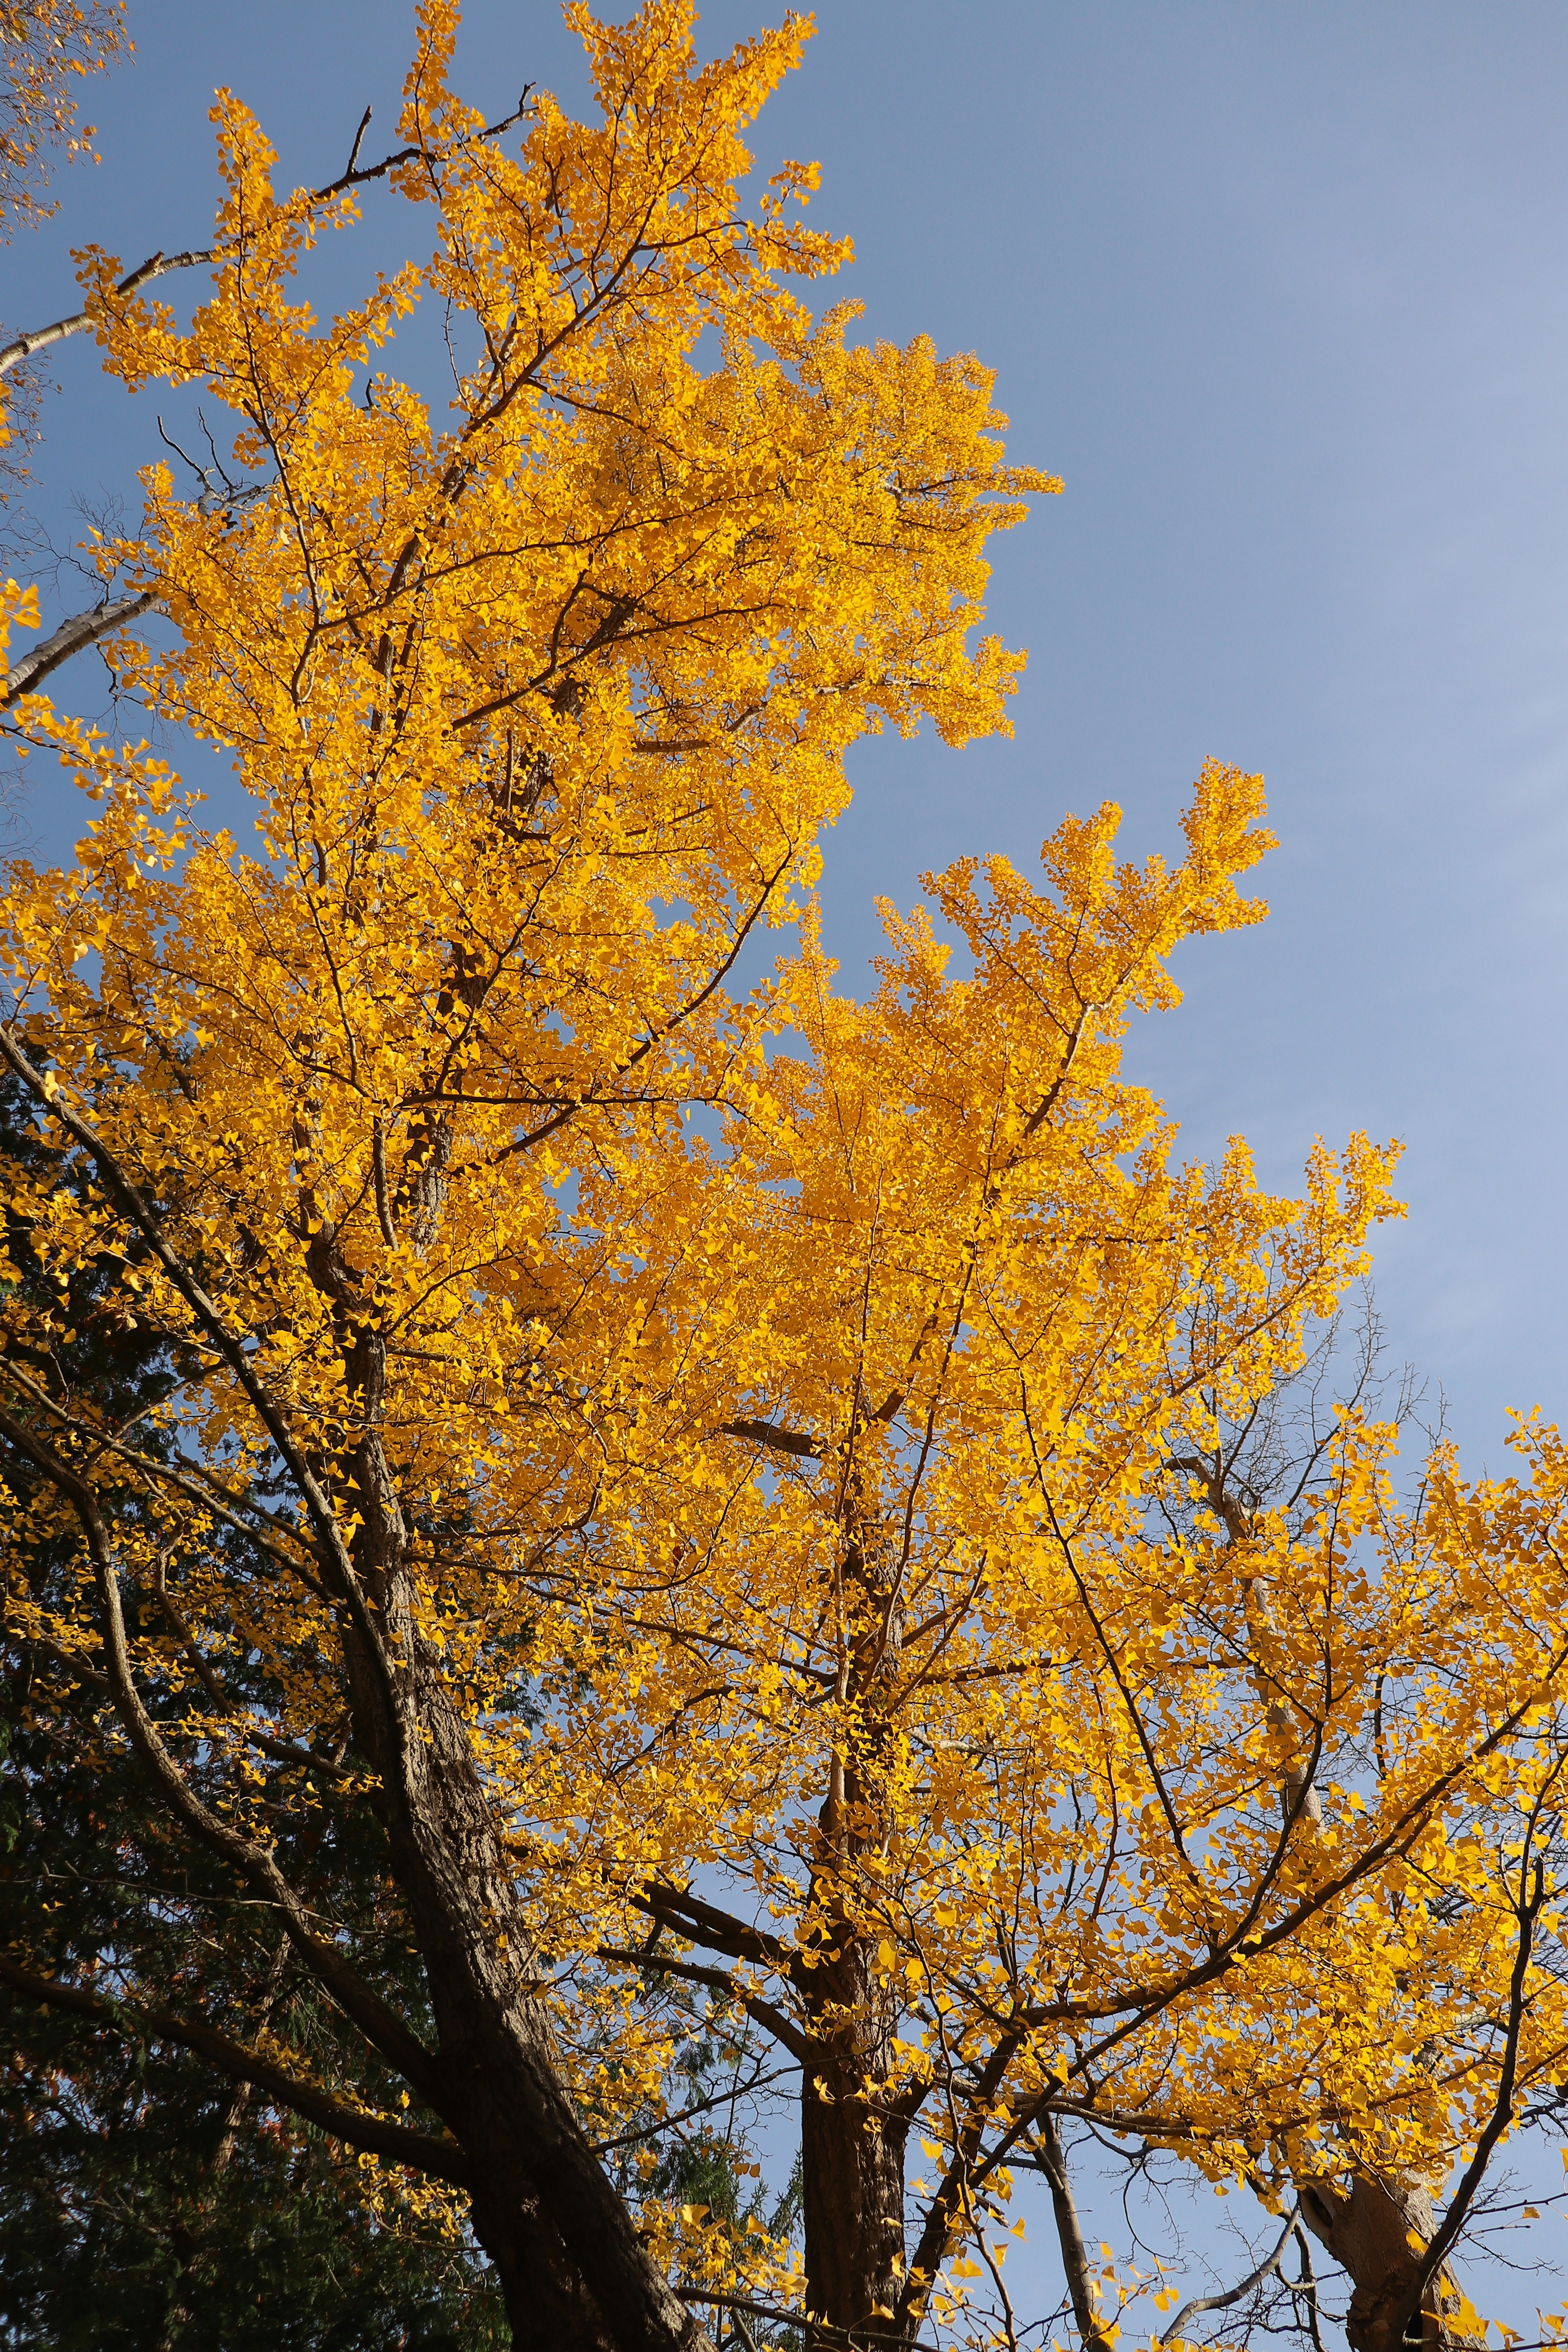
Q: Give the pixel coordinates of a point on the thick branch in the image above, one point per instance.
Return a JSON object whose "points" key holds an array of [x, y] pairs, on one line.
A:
{"points": [[864, 2337], [778, 1441], [1070, 2237], [39, 339], [72, 636], [441, 2159], [704, 1924], [774, 2020]]}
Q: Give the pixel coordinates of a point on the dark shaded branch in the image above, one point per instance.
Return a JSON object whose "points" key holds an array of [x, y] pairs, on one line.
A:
{"points": [[332, 1547], [704, 1924], [1266, 2269], [777, 1440], [441, 2160], [719, 2099], [862, 2337], [773, 2019], [193, 1480], [359, 138]]}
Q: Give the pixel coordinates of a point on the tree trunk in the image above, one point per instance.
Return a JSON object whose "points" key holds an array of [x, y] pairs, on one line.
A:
{"points": [[852, 2137], [852, 2134], [1368, 2232], [852, 2152], [573, 2269]]}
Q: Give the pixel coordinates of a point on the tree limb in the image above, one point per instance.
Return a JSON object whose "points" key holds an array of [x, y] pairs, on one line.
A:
{"points": [[158, 265], [22, 347], [1441, 2244], [441, 2160], [777, 1440], [702, 1923], [1070, 2237], [73, 637], [788, 2035], [1266, 2269]]}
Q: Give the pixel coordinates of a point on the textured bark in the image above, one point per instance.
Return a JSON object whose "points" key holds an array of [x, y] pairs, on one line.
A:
{"points": [[852, 2136], [573, 2269], [1368, 2232], [72, 636], [852, 2150]]}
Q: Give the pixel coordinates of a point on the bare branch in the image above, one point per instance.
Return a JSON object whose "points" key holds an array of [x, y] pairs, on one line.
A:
{"points": [[359, 138], [1266, 2269]]}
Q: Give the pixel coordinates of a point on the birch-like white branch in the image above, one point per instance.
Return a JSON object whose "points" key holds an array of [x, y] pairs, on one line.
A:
{"points": [[73, 637]]}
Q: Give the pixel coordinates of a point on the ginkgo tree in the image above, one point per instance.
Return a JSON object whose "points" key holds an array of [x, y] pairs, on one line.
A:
{"points": [[1050, 1777], [750, 1489]]}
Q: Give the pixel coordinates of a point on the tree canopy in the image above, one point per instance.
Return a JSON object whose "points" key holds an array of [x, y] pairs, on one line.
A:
{"points": [[685, 1519]]}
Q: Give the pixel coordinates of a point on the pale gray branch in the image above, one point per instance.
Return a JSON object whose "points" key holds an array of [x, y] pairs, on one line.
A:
{"points": [[73, 637], [22, 347]]}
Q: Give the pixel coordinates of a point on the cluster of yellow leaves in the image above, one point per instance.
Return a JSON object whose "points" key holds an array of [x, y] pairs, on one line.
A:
{"points": [[46, 46], [783, 1391], [957, 1262]]}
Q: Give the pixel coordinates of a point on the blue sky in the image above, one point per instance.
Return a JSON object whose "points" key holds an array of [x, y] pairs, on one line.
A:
{"points": [[1282, 292]]}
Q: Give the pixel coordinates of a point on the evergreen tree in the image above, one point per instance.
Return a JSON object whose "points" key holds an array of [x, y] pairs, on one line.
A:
{"points": [[143, 2201]]}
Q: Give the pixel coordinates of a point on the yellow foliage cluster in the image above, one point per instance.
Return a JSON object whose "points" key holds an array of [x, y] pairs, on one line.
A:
{"points": [[46, 46]]}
